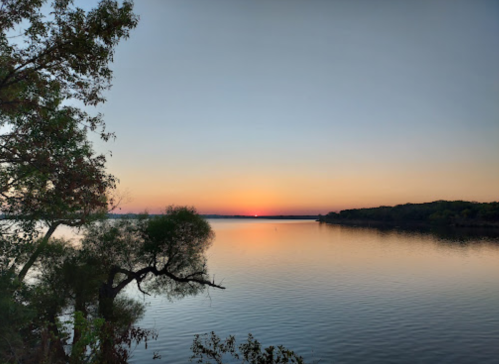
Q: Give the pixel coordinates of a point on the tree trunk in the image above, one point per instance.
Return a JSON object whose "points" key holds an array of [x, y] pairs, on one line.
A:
{"points": [[106, 303], [39, 249], [76, 350]]}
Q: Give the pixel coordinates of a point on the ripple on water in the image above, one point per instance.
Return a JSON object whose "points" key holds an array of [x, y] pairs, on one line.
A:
{"points": [[340, 295]]}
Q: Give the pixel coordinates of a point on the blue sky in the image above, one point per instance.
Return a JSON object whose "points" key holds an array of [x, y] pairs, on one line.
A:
{"points": [[306, 107]]}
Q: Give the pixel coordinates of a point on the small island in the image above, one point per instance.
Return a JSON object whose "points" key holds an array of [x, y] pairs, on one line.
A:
{"points": [[437, 213]]}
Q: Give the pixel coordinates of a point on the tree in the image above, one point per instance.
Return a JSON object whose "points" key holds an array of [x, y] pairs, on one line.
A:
{"points": [[163, 254], [50, 61], [48, 170], [59, 181], [66, 54]]}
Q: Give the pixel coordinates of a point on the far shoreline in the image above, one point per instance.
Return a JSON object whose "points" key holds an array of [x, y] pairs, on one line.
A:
{"points": [[217, 216], [449, 214]]}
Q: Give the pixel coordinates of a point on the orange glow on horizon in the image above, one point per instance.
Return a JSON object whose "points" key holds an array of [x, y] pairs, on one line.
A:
{"points": [[301, 194]]}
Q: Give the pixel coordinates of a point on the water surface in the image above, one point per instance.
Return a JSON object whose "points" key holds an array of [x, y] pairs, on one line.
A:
{"points": [[340, 295]]}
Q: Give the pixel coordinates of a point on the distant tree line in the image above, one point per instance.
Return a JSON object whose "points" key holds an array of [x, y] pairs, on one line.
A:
{"points": [[442, 213]]}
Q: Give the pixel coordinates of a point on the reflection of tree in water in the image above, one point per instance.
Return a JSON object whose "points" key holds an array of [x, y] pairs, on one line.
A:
{"points": [[440, 234], [436, 213]]}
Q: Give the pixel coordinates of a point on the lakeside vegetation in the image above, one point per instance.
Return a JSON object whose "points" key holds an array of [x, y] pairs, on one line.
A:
{"points": [[436, 213]]}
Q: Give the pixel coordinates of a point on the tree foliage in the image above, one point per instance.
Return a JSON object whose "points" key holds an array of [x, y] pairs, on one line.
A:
{"points": [[163, 254], [51, 61], [64, 55]]}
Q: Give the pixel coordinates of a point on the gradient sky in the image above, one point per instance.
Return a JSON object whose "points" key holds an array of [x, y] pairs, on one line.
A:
{"points": [[288, 107]]}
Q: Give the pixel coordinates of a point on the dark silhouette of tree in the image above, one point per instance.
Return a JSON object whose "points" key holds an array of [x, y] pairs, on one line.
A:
{"points": [[65, 55], [49, 173], [447, 213], [48, 170], [163, 254]]}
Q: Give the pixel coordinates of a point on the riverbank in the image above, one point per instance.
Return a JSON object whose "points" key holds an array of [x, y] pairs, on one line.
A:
{"points": [[462, 214]]}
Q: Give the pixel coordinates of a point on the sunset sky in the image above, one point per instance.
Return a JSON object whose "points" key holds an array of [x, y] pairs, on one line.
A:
{"points": [[291, 107]]}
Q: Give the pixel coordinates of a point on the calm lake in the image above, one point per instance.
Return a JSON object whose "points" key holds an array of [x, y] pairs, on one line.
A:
{"points": [[340, 295]]}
